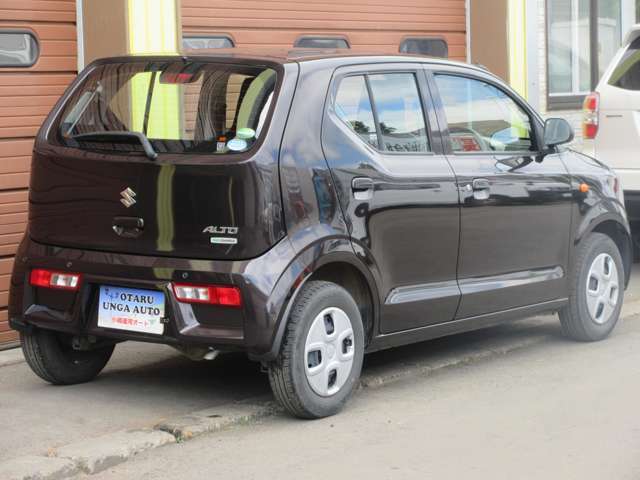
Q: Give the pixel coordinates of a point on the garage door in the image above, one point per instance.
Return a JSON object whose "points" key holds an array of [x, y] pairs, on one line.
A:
{"points": [[43, 33], [368, 25]]}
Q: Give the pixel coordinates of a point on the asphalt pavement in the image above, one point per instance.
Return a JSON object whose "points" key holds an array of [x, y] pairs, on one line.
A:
{"points": [[553, 410], [145, 384]]}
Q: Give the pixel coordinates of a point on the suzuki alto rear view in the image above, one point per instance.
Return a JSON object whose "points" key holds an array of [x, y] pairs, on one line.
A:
{"points": [[305, 210]]}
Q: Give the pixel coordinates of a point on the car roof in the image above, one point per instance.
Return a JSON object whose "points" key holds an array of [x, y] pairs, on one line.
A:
{"points": [[634, 33], [332, 58], [299, 55]]}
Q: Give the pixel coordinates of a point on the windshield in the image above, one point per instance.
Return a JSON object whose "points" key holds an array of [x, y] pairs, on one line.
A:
{"points": [[179, 107]]}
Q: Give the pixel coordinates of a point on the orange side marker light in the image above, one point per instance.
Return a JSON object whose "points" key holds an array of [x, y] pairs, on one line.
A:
{"points": [[584, 188]]}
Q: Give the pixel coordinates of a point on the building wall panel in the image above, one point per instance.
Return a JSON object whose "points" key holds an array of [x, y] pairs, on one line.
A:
{"points": [[370, 25], [26, 97]]}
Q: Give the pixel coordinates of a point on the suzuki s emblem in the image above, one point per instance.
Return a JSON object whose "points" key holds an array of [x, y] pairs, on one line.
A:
{"points": [[128, 197]]}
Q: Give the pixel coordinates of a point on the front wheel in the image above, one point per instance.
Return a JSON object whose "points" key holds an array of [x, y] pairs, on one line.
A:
{"points": [[597, 291], [52, 357], [322, 351]]}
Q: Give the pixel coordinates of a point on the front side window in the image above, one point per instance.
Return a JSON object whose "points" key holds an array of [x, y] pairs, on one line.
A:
{"points": [[483, 118], [178, 107], [582, 36], [18, 49], [627, 72]]}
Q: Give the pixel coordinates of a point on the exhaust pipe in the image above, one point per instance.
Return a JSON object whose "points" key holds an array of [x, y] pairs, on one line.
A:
{"points": [[197, 354]]}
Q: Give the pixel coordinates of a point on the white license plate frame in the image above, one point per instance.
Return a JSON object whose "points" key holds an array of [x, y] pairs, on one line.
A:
{"points": [[131, 309]]}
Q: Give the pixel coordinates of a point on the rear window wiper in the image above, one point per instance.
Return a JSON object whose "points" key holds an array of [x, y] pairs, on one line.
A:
{"points": [[114, 135]]}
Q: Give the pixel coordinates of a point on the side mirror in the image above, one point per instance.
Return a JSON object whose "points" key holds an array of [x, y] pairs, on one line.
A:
{"points": [[557, 131]]}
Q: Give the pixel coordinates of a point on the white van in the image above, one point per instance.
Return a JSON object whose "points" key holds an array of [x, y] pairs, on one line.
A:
{"points": [[612, 120]]}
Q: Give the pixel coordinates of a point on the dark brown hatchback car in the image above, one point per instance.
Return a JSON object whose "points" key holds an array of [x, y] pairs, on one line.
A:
{"points": [[305, 210]]}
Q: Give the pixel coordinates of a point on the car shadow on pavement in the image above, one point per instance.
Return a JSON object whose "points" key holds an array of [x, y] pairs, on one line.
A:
{"points": [[230, 377], [504, 337]]}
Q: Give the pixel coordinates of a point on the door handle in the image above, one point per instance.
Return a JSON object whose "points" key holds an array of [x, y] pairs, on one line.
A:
{"points": [[481, 188], [480, 184], [128, 227], [362, 188]]}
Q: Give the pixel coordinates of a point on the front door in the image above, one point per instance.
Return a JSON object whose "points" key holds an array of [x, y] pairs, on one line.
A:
{"points": [[397, 190], [515, 209]]}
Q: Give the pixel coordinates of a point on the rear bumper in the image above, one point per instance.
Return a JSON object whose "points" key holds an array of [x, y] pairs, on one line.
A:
{"points": [[251, 328]]}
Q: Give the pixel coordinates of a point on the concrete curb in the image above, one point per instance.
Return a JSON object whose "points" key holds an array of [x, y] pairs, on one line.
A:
{"points": [[33, 467], [217, 418], [98, 454], [95, 455]]}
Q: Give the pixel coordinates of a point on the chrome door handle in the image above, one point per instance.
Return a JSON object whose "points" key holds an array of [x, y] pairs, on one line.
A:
{"points": [[362, 188], [480, 184], [481, 188]]}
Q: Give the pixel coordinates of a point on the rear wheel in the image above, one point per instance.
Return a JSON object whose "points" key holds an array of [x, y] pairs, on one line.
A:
{"points": [[597, 291], [321, 354], [52, 357]]}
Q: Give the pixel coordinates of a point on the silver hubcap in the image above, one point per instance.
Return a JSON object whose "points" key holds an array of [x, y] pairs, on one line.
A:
{"points": [[602, 288], [329, 352]]}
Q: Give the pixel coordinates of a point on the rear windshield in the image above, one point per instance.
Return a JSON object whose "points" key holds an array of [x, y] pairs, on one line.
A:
{"points": [[176, 107], [627, 72]]}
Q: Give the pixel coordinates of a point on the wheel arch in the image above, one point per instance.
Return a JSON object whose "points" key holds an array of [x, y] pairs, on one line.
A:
{"points": [[355, 282], [619, 232], [342, 267]]}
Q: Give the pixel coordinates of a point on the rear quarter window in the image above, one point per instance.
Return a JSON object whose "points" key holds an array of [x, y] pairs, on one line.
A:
{"points": [[627, 73]]}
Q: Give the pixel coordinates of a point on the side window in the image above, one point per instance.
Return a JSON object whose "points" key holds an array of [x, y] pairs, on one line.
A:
{"points": [[196, 42], [354, 108], [483, 118], [18, 49], [399, 111], [431, 47], [309, 41], [627, 72]]}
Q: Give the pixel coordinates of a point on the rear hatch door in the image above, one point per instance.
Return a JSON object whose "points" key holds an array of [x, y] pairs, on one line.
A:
{"points": [[163, 157]]}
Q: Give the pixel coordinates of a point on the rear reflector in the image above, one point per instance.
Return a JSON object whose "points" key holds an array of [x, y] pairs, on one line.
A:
{"points": [[591, 116], [56, 280], [209, 294]]}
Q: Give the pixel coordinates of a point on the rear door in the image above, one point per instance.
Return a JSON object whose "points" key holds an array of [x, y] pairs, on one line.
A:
{"points": [[396, 189], [515, 210]]}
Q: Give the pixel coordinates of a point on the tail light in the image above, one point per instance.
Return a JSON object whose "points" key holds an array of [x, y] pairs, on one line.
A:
{"points": [[591, 116], [56, 280], [209, 294]]}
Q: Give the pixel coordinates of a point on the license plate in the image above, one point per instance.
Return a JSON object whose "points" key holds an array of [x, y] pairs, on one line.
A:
{"points": [[131, 309]]}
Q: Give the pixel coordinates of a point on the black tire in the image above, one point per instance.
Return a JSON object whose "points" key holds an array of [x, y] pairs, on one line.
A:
{"points": [[287, 374], [577, 323], [51, 357]]}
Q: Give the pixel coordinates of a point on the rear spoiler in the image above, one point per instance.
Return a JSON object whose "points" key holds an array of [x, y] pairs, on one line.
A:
{"points": [[633, 34]]}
